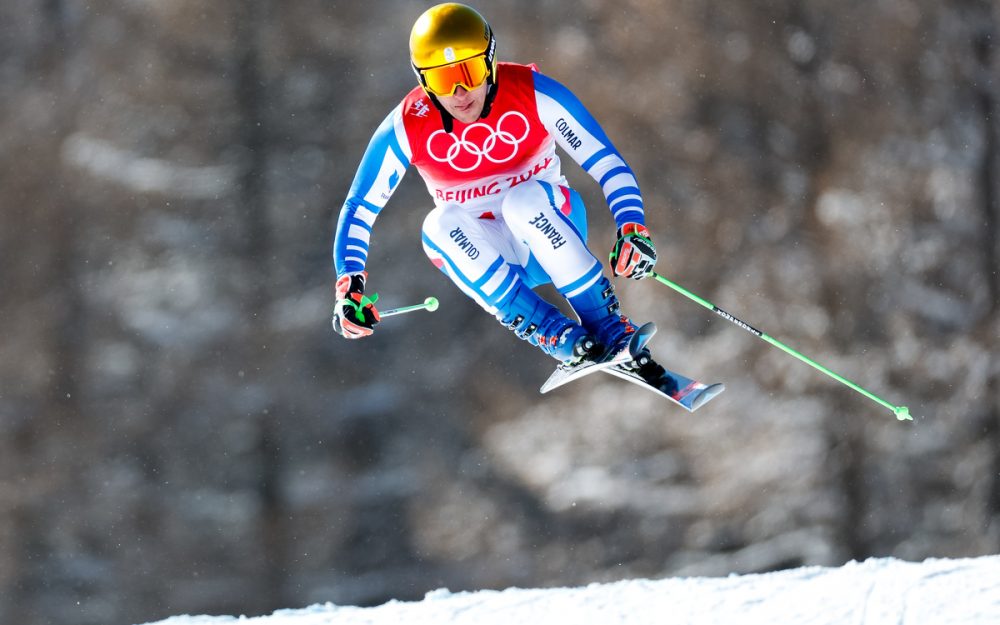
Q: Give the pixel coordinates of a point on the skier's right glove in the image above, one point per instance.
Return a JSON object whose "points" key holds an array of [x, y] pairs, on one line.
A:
{"points": [[354, 315], [634, 255]]}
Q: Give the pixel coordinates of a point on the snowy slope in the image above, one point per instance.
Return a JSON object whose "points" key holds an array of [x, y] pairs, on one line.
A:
{"points": [[875, 592]]}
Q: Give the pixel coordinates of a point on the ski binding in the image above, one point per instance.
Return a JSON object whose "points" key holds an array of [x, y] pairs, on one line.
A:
{"points": [[685, 392]]}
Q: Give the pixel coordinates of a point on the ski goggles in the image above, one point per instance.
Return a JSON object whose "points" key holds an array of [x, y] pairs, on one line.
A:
{"points": [[445, 79]]}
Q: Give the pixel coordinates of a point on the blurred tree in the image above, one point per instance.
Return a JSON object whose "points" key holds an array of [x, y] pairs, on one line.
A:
{"points": [[180, 431]]}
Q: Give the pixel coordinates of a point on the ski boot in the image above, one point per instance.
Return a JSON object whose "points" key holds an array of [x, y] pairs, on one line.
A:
{"points": [[600, 312], [541, 324]]}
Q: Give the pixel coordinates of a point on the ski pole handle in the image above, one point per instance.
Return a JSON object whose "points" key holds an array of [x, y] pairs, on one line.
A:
{"points": [[430, 305]]}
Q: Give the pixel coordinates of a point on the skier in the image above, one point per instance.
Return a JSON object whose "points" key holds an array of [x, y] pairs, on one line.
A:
{"points": [[482, 134]]}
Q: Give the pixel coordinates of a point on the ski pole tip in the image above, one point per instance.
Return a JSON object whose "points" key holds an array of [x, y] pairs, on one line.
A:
{"points": [[431, 304], [902, 413]]}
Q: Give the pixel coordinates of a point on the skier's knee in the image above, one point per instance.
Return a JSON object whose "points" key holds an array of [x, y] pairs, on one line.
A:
{"points": [[446, 223], [523, 202], [450, 232], [440, 221]]}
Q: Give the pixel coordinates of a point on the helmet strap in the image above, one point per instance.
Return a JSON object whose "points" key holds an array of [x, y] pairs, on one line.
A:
{"points": [[491, 79], [491, 94], [447, 121]]}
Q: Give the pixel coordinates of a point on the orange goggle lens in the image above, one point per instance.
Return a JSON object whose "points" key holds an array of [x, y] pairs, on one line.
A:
{"points": [[443, 80]]}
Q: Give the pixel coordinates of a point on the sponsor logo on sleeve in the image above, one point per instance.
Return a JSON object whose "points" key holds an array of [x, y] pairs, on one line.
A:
{"points": [[568, 134]]}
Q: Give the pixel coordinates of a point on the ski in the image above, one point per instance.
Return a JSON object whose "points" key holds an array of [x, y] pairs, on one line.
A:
{"points": [[613, 357], [683, 391]]}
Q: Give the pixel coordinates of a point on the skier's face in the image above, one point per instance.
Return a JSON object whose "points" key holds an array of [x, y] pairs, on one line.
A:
{"points": [[465, 106]]}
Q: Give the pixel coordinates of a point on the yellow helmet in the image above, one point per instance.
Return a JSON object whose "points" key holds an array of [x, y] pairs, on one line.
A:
{"points": [[442, 39]]}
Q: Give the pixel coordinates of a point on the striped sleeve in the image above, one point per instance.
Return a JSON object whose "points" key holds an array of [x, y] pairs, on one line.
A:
{"points": [[382, 167], [579, 135]]}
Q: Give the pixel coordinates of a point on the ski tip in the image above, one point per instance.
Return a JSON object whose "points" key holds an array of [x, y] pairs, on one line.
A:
{"points": [[554, 381], [710, 392]]}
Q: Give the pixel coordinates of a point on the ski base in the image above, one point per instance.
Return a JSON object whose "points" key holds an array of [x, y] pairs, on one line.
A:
{"points": [[613, 357]]}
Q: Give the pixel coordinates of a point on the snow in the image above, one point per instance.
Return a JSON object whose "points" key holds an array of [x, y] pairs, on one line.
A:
{"points": [[877, 591]]}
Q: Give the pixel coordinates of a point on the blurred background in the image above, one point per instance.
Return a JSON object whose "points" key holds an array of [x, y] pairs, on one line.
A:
{"points": [[182, 432]]}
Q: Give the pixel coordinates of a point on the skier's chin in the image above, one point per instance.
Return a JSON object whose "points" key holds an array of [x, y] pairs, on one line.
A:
{"points": [[467, 114], [465, 106]]}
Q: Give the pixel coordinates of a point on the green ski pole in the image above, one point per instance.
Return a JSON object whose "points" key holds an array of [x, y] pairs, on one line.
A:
{"points": [[902, 412], [430, 304]]}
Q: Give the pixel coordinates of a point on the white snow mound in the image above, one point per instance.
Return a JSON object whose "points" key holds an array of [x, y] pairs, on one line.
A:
{"points": [[874, 592]]}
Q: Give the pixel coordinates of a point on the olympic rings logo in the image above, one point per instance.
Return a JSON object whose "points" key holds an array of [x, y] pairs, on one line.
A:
{"points": [[479, 141]]}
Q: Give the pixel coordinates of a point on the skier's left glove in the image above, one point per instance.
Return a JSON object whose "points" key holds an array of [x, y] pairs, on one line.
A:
{"points": [[355, 315], [634, 254]]}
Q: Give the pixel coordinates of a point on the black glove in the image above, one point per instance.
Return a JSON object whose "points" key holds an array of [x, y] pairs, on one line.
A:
{"points": [[354, 315], [634, 254]]}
